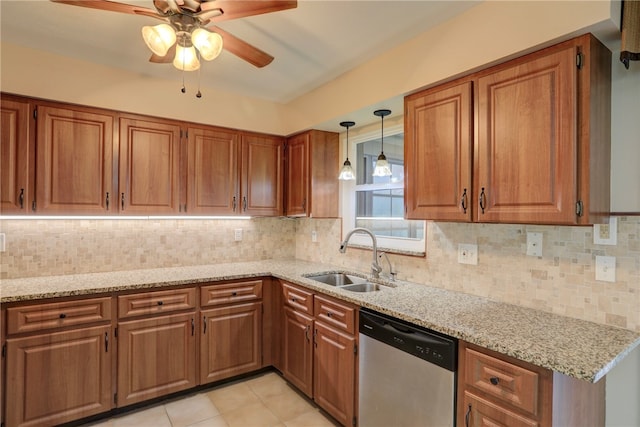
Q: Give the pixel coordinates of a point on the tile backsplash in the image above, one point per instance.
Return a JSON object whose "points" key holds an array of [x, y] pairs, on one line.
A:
{"points": [[561, 281]]}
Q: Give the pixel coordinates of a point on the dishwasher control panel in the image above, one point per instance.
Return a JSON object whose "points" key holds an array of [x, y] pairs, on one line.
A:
{"points": [[426, 344]]}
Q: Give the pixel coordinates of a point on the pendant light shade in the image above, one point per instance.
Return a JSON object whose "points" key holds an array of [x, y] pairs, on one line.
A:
{"points": [[346, 173], [382, 165], [208, 43], [159, 38], [186, 58]]}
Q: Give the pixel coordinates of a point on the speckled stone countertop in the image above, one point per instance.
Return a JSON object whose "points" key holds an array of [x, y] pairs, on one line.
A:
{"points": [[577, 348]]}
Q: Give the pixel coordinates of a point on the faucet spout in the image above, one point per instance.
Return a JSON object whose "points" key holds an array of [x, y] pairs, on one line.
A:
{"points": [[375, 267]]}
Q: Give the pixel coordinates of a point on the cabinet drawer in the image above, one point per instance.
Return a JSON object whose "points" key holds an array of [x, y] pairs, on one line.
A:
{"points": [[156, 302], [508, 382], [39, 317], [225, 293], [336, 314], [298, 298], [482, 413]]}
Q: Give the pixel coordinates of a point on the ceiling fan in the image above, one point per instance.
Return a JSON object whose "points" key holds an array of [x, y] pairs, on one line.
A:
{"points": [[189, 24]]}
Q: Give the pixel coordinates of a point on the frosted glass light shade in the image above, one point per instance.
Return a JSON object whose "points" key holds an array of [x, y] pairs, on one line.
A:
{"points": [[208, 43], [159, 38], [346, 173], [382, 166], [186, 59]]}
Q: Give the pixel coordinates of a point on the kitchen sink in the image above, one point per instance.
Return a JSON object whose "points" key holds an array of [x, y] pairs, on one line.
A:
{"points": [[345, 281], [338, 279]]}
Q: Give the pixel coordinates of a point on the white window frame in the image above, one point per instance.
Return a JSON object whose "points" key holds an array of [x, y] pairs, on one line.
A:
{"points": [[391, 244]]}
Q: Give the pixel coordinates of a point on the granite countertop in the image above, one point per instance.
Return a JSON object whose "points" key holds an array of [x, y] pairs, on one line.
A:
{"points": [[577, 348]]}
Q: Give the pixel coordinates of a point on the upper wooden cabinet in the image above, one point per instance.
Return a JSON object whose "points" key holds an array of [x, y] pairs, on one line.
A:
{"points": [[74, 158], [212, 171], [262, 177], [16, 156], [541, 146], [312, 175], [149, 167]]}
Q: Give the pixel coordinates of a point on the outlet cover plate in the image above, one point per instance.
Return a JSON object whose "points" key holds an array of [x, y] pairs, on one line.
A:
{"points": [[237, 234], [534, 244], [606, 234], [468, 253], [606, 268]]}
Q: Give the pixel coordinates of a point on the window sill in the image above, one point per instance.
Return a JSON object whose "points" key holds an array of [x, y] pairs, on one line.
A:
{"points": [[394, 251]]}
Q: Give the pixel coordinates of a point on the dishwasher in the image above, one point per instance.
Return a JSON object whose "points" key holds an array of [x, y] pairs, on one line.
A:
{"points": [[407, 374]]}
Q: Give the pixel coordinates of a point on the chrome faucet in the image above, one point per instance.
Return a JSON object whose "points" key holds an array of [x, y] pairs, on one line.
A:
{"points": [[392, 274], [375, 267]]}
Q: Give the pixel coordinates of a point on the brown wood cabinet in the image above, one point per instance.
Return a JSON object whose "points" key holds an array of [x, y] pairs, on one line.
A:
{"points": [[75, 163], [541, 146], [262, 178], [297, 353], [40, 353], [149, 179], [497, 390], [312, 175], [16, 156]]}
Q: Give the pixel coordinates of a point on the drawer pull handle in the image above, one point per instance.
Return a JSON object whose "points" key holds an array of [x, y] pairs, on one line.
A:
{"points": [[204, 322], [494, 380], [62, 315], [467, 416], [306, 333], [160, 303], [234, 294], [483, 200], [463, 201]]}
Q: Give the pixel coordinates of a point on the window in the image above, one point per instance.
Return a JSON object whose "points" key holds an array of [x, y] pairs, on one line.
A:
{"points": [[377, 203]]}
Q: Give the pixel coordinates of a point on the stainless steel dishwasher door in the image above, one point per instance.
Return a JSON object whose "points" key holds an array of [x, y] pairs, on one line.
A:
{"points": [[398, 389]]}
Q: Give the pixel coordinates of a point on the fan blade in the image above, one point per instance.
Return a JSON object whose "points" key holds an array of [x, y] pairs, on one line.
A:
{"points": [[111, 6], [243, 50], [234, 9], [157, 59]]}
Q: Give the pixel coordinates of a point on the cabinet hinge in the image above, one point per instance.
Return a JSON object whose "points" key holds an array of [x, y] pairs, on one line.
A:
{"points": [[579, 208], [579, 60], [354, 421], [115, 398], [33, 206], [115, 333], [35, 113], [4, 351], [355, 348]]}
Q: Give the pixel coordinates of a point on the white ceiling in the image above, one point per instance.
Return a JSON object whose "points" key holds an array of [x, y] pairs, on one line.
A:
{"points": [[312, 44]]}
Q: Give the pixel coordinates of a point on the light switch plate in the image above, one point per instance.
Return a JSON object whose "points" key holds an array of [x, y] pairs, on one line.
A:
{"points": [[606, 268], [3, 244], [314, 236], [468, 253], [534, 244], [237, 234], [606, 234]]}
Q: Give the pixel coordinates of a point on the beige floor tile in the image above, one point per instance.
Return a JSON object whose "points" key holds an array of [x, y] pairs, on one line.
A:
{"points": [[190, 410], [288, 405], [310, 419], [155, 416], [217, 421], [232, 397], [268, 386], [254, 415]]}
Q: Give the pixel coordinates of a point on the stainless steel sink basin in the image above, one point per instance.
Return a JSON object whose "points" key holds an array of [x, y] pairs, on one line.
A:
{"points": [[337, 279], [345, 281], [362, 287]]}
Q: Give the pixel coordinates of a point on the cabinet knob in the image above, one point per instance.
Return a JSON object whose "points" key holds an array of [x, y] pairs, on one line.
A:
{"points": [[494, 380], [160, 303], [293, 299], [329, 314], [233, 294], [62, 315]]}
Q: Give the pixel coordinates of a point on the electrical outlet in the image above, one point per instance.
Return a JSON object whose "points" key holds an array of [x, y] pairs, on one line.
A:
{"points": [[468, 253], [534, 244], [606, 268], [237, 234], [314, 236], [606, 234]]}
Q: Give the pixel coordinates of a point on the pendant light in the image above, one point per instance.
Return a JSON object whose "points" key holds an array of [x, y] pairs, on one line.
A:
{"points": [[346, 174], [382, 165]]}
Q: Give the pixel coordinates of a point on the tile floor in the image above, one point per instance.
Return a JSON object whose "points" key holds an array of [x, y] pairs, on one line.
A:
{"points": [[262, 401]]}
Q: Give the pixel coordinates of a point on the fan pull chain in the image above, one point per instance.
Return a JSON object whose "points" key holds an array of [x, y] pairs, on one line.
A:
{"points": [[184, 89], [199, 94]]}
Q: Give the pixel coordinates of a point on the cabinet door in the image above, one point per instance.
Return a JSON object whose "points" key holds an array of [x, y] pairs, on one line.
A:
{"points": [[480, 413], [58, 377], [156, 357], [16, 164], [297, 184], [298, 350], [231, 341], [149, 167], [74, 150], [527, 138], [262, 175], [212, 172], [438, 144], [334, 372]]}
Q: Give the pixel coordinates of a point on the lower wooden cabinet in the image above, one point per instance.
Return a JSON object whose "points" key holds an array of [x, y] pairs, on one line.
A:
{"points": [[297, 353], [231, 342], [58, 377], [156, 357]]}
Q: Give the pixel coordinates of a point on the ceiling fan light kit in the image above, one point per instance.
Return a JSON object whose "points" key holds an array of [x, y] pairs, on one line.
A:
{"points": [[159, 38]]}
